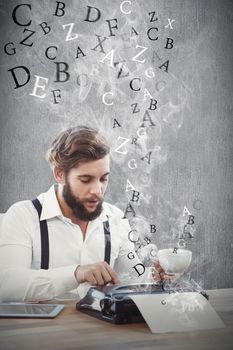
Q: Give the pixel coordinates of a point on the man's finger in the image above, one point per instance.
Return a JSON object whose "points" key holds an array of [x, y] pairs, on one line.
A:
{"points": [[157, 277], [165, 276], [92, 280], [157, 266], [98, 276], [106, 276], [114, 277]]}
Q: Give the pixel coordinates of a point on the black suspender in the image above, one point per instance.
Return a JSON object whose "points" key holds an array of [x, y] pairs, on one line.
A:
{"points": [[107, 238], [45, 238]]}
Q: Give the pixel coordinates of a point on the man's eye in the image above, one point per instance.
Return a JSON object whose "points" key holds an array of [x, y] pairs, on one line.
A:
{"points": [[85, 181], [104, 179]]}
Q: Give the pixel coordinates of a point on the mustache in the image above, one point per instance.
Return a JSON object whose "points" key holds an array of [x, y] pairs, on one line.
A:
{"points": [[94, 199]]}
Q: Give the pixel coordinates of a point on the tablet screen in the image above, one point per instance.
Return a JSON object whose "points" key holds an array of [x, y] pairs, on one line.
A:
{"points": [[29, 310]]}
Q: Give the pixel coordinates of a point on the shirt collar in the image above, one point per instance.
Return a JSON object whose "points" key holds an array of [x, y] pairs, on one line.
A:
{"points": [[51, 207]]}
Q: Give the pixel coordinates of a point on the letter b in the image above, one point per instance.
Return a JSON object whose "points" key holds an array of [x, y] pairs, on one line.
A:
{"points": [[64, 71], [152, 228], [61, 9], [191, 220], [169, 43], [136, 195]]}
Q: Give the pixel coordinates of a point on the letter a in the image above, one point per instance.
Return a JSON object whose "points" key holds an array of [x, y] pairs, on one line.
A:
{"points": [[116, 123], [129, 209], [146, 118], [147, 156], [109, 57], [129, 186], [186, 211]]}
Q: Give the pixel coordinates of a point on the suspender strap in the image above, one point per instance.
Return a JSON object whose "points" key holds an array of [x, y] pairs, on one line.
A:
{"points": [[44, 237], [107, 237]]}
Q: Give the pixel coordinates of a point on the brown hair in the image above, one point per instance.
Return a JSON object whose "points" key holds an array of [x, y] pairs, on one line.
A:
{"points": [[75, 145]]}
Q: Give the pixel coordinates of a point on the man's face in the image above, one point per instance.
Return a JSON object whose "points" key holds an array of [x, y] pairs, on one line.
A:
{"points": [[85, 186]]}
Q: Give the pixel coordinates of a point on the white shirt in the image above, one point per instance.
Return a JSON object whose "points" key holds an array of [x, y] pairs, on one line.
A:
{"points": [[21, 278]]}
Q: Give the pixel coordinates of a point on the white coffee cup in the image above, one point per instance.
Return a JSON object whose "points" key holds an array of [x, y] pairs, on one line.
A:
{"points": [[174, 260]]}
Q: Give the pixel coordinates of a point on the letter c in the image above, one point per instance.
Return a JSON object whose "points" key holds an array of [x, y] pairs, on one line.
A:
{"points": [[131, 240], [148, 33], [131, 84], [46, 52], [153, 255], [121, 7], [14, 15], [103, 98]]}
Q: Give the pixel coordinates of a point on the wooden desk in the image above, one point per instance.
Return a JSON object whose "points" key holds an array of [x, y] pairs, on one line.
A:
{"points": [[74, 330]]}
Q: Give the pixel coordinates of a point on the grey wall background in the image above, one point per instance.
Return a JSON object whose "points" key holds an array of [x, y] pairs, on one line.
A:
{"points": [[191, 142]]}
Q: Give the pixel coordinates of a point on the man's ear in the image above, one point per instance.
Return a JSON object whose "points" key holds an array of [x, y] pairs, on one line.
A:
{"points": [[59, 175]]}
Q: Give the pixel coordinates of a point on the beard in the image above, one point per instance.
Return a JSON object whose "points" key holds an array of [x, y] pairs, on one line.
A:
{"points": [[77, 206]]}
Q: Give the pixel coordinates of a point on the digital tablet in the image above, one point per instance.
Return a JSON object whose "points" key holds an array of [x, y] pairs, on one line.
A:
{"points": [[30, 310]]}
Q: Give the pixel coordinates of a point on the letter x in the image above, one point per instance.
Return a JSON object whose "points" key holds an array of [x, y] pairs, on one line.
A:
{"points": [[100, 43], [170, 23]]}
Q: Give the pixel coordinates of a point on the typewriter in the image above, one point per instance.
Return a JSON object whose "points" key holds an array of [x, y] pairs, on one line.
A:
{"points": [[112, 303]]}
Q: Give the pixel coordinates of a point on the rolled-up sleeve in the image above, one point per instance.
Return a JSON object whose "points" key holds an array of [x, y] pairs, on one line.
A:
{"points": [[18, 281]]}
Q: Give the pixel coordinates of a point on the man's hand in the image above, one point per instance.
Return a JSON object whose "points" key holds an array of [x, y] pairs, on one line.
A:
{"points": [[96, 274], [159, 274]]}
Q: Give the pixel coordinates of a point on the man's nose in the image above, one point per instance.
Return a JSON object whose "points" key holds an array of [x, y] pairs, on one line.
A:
{"points": [[97, 189]]}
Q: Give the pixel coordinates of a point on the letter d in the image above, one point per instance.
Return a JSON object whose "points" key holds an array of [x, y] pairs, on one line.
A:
{"points": [[17, 84], [88, 14], [135, 268]]}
